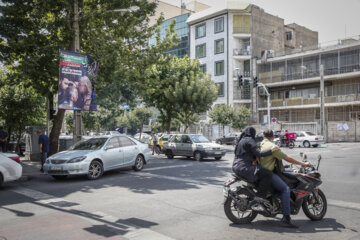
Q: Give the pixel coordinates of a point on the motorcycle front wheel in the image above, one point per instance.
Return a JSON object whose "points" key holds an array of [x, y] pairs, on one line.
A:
{"points": [[237, 211], [313, 209], [291, 145]]}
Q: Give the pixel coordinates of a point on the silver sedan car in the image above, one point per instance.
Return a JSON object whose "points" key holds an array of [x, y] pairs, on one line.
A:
{"points": [[94, 156]]}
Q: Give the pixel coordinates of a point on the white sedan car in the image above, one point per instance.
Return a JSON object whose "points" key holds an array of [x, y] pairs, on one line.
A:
{"points": [[308, 139], [94, 156], [9, 169]]}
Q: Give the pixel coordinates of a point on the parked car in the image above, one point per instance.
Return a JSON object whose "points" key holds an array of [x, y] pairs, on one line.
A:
{"points": [[13, 142], [9, 169], [94, 156], [161, 140], [13, 156], [144, 137], [308, 139], [192, 145], [229, 138]]}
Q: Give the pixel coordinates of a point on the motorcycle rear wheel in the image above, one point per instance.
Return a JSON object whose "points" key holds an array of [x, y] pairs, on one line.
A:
{"points": [[233, 211], [291, 144], [315, 211]]}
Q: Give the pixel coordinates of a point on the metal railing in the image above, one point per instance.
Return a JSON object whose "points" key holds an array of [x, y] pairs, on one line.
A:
{"points": [[299, 101]]}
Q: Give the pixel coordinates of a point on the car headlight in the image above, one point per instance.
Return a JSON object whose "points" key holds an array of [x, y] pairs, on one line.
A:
{"points": [[77, 159], [47, 161]]}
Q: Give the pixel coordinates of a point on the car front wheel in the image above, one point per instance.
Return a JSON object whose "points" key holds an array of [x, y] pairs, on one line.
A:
{"points": [[198, 156], [139, 163], [306, 144], [96, 170]]}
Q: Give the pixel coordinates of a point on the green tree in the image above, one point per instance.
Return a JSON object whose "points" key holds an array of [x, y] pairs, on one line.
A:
{"points": [[178, 89], [20, 107], [32, 32], [240, 118], [222, 114]]}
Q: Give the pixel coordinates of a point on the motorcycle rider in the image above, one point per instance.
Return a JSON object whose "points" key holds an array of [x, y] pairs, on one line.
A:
{"points": [[268, 162], [246, 152]]}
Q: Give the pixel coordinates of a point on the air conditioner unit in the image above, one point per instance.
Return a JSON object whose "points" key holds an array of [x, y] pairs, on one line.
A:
{"points": [[270, 53]]}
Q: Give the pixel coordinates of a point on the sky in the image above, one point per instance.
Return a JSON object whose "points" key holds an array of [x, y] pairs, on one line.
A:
{"points": [[333, 19]]}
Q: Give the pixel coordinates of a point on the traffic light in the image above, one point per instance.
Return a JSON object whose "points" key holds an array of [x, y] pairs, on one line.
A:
{"points": [[255, 82], [240, 79]]}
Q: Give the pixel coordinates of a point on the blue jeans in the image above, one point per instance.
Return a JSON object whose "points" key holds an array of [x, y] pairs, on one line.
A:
{"points": [[279, 185], [43, 158]]}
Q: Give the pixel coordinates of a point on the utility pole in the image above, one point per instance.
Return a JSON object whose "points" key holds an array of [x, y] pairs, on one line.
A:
{"points": [[322, 104], [76, 48]]}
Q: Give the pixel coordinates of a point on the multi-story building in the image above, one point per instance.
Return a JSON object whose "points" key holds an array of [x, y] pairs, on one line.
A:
{"points": [[180, 15], [227, 39], [293, 81]]}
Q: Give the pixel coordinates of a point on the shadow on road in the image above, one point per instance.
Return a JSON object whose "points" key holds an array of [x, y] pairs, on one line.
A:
{"points": [[19, 213], [305, 226]]}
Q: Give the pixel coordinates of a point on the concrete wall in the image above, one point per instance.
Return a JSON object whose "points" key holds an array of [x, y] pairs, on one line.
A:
{"points": [[302, 36], [340, 134], [267, 32]]}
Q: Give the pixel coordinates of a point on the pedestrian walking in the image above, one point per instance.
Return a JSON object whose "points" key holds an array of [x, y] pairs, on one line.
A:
{"points": [[3, 138], [154, 140], [43, 147]]}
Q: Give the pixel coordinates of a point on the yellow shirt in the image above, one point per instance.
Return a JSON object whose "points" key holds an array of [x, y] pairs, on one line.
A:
{"points": [[269, 161]]}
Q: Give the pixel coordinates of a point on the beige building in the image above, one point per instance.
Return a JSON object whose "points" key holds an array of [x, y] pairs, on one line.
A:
{"points": [[293, 80], [169, 11]]}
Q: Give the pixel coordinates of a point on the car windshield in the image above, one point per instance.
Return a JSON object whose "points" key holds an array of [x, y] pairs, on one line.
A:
{"points": [[91, 144], [310, 133], [199, 139]]}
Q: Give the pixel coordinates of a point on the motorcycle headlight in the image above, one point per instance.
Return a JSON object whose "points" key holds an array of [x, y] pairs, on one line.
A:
{"points": [[77, 159]]}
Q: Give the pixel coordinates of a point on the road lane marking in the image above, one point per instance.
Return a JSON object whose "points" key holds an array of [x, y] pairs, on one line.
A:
{"points": [[166, 167], [132, 232], [343, 204]]}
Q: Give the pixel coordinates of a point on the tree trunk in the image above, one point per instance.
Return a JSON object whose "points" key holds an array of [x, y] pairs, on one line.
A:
{"points": [[55, 131], [168, 125]]}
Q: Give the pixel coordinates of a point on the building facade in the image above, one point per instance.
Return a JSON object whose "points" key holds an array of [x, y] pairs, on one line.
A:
{"points": [[294, 84], [227, 40]]}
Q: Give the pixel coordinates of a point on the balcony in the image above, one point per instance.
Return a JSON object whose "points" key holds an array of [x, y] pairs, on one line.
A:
{"points": [[303, 102], [245, 74]]}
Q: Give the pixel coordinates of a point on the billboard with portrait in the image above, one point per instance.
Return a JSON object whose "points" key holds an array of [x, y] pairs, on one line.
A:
{"points": [[77, 75]]}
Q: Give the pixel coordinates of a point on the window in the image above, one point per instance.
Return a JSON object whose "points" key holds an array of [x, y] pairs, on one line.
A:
{"points": [[113, 143], [220, 87], [288, 36], [124, 141], [203, 68], [200, 31], [219, 46], [219, 25], [185, 139], [201, 51], [219, 68]]}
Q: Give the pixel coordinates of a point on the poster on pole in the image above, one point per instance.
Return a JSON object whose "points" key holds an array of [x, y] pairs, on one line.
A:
{"points": [[77, 75]]}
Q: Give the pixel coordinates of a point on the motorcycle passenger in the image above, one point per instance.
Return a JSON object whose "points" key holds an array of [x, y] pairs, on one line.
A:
{"points": [[246, 152], [268, 162]]}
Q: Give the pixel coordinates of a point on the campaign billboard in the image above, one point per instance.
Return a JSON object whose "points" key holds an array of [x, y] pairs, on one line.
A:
{"points": [[77, 75]]}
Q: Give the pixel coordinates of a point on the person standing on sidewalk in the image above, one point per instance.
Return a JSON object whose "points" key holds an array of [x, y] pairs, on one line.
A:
{"points": [[154, 140], [43, 147], [3, 137]]}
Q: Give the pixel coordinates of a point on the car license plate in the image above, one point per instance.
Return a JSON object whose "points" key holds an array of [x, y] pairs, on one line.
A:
{"points": [[56, 168], [218, 153]]}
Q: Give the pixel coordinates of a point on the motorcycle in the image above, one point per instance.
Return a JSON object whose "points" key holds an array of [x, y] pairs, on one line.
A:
{"points": [[240, 208], [282, 142]]}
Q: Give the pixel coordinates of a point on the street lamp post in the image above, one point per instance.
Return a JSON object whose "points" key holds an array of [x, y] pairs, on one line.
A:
{"points": [[268, 103]]}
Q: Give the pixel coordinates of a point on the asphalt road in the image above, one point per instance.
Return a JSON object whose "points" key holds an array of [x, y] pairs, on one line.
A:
{"points": [[172, 199]]}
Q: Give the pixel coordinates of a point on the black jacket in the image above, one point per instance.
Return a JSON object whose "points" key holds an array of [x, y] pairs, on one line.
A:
{"points": [[246, 151]]}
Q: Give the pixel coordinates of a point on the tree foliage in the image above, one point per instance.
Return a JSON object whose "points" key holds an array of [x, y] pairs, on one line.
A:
{"points": [[227, 115], [136, 119], [240, 118], [178, 89], [20, 106], [32, 32]]}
